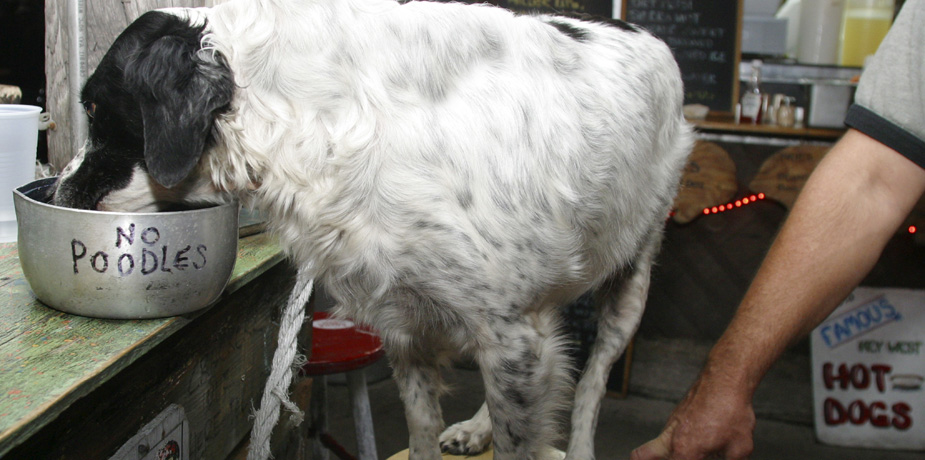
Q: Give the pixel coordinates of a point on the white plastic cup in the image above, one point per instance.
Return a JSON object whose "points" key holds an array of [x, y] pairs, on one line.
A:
{"points": [[820, 23], [19, 135]]}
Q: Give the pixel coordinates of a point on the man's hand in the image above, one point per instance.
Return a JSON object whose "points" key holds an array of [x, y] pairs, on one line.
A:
{"points": [[713, 421]]}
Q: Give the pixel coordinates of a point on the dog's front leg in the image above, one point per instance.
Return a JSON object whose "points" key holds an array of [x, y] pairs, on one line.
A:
{"points": [[419, 385]]}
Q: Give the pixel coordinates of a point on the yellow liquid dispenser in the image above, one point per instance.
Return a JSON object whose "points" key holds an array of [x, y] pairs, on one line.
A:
{"points": [[864, 24]]}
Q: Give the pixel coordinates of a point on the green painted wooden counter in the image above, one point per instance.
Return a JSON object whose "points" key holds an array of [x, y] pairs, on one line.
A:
{"points": [[50, 359]]}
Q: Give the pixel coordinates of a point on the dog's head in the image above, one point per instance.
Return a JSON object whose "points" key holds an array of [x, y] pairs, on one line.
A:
{"points": [[152, 103]]}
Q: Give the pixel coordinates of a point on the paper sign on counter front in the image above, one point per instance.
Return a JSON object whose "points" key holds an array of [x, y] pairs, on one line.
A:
{"points": [[868, 370]]}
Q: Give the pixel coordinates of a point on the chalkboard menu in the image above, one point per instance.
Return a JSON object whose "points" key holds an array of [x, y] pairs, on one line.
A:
{"points": [[704, 36], [603, 8]]}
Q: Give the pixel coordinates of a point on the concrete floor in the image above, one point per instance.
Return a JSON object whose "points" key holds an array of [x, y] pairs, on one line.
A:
{"points": [[624, 423]]}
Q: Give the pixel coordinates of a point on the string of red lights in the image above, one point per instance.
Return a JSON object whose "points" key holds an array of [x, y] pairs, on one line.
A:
{"points": [[734, 204], [751, 199]]}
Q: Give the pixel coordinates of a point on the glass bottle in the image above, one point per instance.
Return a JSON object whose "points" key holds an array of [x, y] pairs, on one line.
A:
{"points": [[786, 115], [751, 97]]}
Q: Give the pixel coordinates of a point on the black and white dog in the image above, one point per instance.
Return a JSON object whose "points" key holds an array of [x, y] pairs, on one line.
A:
{"points": [[453, 172]]}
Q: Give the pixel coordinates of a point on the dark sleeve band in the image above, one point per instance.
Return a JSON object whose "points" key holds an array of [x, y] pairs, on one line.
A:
{"points": [[887, 133]]}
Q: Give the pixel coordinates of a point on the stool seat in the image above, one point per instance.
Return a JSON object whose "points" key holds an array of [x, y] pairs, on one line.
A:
{"points": [[548, 454], [339, 346], [487, 455]]}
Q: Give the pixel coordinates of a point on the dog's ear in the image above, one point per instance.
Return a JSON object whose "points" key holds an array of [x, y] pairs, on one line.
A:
{"points": [[179, 94]]}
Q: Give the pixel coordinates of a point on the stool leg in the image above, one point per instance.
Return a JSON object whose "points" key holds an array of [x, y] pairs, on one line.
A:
{"points": [[319, 422], [362, 415]]}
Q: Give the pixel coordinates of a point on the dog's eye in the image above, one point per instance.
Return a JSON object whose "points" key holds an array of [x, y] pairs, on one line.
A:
{"points": [[90, 107]]}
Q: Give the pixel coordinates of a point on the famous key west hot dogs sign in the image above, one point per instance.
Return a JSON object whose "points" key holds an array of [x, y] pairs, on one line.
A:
{"points": [[868, 364]]}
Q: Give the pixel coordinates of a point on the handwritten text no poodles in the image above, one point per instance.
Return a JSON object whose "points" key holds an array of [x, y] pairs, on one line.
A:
{"points": [[151, 258]]}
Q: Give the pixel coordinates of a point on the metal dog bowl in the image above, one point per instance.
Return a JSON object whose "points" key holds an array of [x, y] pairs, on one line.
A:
{"points": [[124, 265]]}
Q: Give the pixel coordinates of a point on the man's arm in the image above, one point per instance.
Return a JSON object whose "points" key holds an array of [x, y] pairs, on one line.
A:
{"points": [[847, 212]]}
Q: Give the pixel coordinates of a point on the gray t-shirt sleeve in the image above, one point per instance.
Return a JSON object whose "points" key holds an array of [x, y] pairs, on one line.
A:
{"points": [[890, 100]]}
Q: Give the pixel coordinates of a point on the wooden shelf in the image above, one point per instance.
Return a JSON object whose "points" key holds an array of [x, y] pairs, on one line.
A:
{"points": [[726, 124]]}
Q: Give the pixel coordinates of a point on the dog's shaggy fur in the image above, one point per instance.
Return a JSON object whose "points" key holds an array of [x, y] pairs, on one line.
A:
{"points": [[453, 173]]}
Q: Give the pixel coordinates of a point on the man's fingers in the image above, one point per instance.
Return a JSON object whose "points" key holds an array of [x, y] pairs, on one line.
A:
{"points": [[656, 449]]}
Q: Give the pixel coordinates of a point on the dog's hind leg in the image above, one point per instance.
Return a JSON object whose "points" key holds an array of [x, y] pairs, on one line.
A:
{"points": [[621, 303], [526, 374], [470, 437]]}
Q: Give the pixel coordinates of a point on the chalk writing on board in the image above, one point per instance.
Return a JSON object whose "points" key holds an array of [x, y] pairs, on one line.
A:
{"points": [[145, 258], [601, 8], [703, 35], [544, 5]]}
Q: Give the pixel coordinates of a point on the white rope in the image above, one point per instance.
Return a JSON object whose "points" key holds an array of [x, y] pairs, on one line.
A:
{"points": [[276, 391]]}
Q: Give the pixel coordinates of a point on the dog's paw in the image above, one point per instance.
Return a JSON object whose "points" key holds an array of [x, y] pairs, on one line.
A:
{"points": [[471, 437], [551, 453]]}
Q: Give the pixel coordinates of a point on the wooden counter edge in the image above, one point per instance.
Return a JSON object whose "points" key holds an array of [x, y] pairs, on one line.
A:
{"points": [[726, 124], [267, 256]]}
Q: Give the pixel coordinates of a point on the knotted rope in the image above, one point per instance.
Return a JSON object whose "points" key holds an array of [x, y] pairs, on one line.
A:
{"points": [[276, 391]]}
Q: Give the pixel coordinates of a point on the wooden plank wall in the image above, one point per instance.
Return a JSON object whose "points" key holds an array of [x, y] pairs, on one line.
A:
{"points": [[705, 267], [104, 21]]}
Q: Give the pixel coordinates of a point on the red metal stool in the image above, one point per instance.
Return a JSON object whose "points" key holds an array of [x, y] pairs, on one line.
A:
{"points": [[341, 347]]}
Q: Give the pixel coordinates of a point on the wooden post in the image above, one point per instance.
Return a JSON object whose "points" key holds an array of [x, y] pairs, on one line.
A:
{"points": [[103, 21]]}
